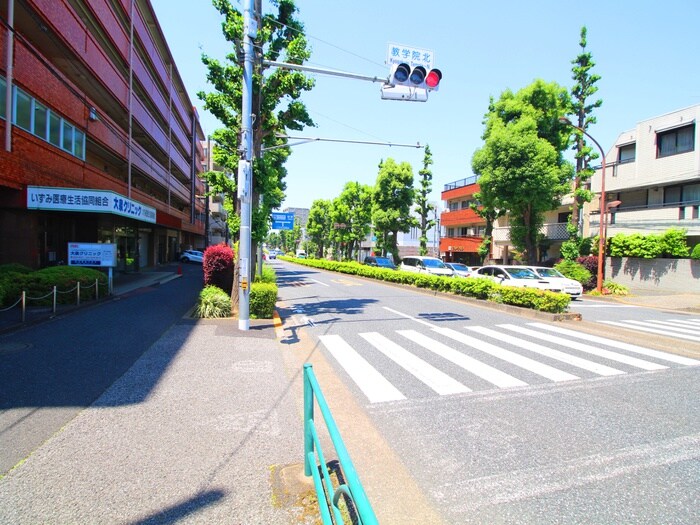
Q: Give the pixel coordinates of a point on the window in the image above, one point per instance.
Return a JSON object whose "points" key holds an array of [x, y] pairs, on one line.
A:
{"points": [[627, 153], [672, 195], [23, 110], [450, 232], [3, 94], [454, 206], [36, 118], [465, 204], [40, 120], [55, 129], [679, 140]]}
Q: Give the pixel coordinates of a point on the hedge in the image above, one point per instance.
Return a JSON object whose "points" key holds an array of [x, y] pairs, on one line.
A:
{"points": [[478, 288]]}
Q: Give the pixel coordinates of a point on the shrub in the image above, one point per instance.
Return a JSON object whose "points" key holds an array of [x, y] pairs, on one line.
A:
{"points": [[610, 287], [262, 300], [573, 270], [40, 284], [696, 252], [268, 275], [218, 267], [590, 263], [213, 303], [541, 300], [674, 243]]}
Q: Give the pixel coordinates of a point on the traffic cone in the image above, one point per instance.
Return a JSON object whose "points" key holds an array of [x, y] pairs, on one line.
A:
{"points": [[179, 269]]}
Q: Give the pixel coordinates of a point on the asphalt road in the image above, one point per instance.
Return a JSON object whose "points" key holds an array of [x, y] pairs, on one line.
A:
{"points": [[534, 425], [52, 370]]}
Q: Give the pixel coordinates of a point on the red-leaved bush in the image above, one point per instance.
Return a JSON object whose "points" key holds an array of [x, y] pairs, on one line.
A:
{"points": [[218, 267], [590, 262]]}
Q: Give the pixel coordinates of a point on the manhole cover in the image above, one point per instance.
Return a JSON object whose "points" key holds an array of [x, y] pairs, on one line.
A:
{"points": [[7, 348]]}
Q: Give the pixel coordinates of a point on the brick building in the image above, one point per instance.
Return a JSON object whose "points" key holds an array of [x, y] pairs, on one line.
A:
{"points": [[104, 143]]}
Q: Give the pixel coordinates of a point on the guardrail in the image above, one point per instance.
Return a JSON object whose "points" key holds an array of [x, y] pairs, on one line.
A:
{"points": [[315, 464]]}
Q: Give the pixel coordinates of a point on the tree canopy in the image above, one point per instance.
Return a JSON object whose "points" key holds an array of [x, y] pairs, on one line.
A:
{"points": [[276, 102], [521, 168], [391, 208]]}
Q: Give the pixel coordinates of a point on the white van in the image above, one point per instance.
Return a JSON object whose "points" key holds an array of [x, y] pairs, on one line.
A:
{"points": [[301, 254], [420, 264]]}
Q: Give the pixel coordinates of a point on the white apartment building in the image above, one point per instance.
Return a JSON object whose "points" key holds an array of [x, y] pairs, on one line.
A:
{"points": [[654, 171]]}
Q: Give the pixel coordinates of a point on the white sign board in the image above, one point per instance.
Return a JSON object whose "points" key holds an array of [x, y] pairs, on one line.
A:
{"points": [[413, 56], [80, 199], [92, 254]]}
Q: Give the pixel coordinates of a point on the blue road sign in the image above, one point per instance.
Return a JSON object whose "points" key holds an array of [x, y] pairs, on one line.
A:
{"points": [[282, 221]]}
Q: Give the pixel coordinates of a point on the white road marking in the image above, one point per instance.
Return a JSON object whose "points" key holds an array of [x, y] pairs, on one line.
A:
{"points": [[479, 369], [535, 367], [606, 354], [319, 282], [439, 381], [665, 356], [373, 384], [426, 323], [649, 329], [549, 352]]}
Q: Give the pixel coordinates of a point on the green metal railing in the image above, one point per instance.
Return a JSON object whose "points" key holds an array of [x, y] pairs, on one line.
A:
{"points": [[315, 465]]}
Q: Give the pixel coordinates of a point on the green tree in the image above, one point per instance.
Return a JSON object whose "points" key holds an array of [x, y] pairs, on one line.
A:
{"points": [[392, 203], [521, 168], [276, 104], [318, 227], [421, 197], [351, 212], [582, 110]]}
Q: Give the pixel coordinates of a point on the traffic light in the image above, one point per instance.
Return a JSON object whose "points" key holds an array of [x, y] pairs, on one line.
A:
{"points": [[417, 77]]}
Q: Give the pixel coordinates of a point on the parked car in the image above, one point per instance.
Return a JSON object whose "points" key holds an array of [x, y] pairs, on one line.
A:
{"points": [[461, 270], [301, 254], [520, 276], [272, 254], [194, 256], [421, 264], [570, 286], [380, 262]]}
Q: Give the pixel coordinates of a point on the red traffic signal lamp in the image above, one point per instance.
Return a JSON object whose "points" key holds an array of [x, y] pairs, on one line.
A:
{"points": [[417, 77]]}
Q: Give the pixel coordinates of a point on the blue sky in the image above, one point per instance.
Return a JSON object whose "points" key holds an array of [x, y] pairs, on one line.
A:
{"points": [[646, 53]]}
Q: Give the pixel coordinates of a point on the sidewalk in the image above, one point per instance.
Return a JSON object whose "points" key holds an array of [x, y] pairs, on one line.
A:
{"points": [[687, 302], [123, 283], [194, 432]]}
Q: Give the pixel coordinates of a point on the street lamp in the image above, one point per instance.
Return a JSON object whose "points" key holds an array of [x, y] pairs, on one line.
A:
{"points": [[601, 228]]}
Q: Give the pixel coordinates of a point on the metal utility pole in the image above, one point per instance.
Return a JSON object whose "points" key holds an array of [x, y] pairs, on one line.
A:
{"points": [[245, 168]]}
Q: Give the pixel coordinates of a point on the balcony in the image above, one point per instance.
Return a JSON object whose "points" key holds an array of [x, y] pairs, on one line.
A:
{"points": [[465, 217], [651, 219], [554, 231], [461, 188]]}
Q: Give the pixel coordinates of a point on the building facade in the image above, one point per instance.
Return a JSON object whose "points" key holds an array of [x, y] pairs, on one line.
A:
{"points": [[464, 229], [652, 178], [216, 227], [101, 141]]}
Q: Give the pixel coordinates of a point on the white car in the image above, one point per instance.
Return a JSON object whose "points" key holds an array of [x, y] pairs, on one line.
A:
{"points": [[520, 276], [570, 286], [461, 270], [420, 264], [194, 256]]}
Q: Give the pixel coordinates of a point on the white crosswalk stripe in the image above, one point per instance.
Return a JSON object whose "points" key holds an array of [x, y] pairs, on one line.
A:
{"points": [[431, 376], [478, 359], [482, 370], [374, 385], [642, 326], [518, 360], [548, 352], [664, 356]]}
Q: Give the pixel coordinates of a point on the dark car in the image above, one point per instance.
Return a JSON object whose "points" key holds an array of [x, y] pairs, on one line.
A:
{"points": [[380, 262]]}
